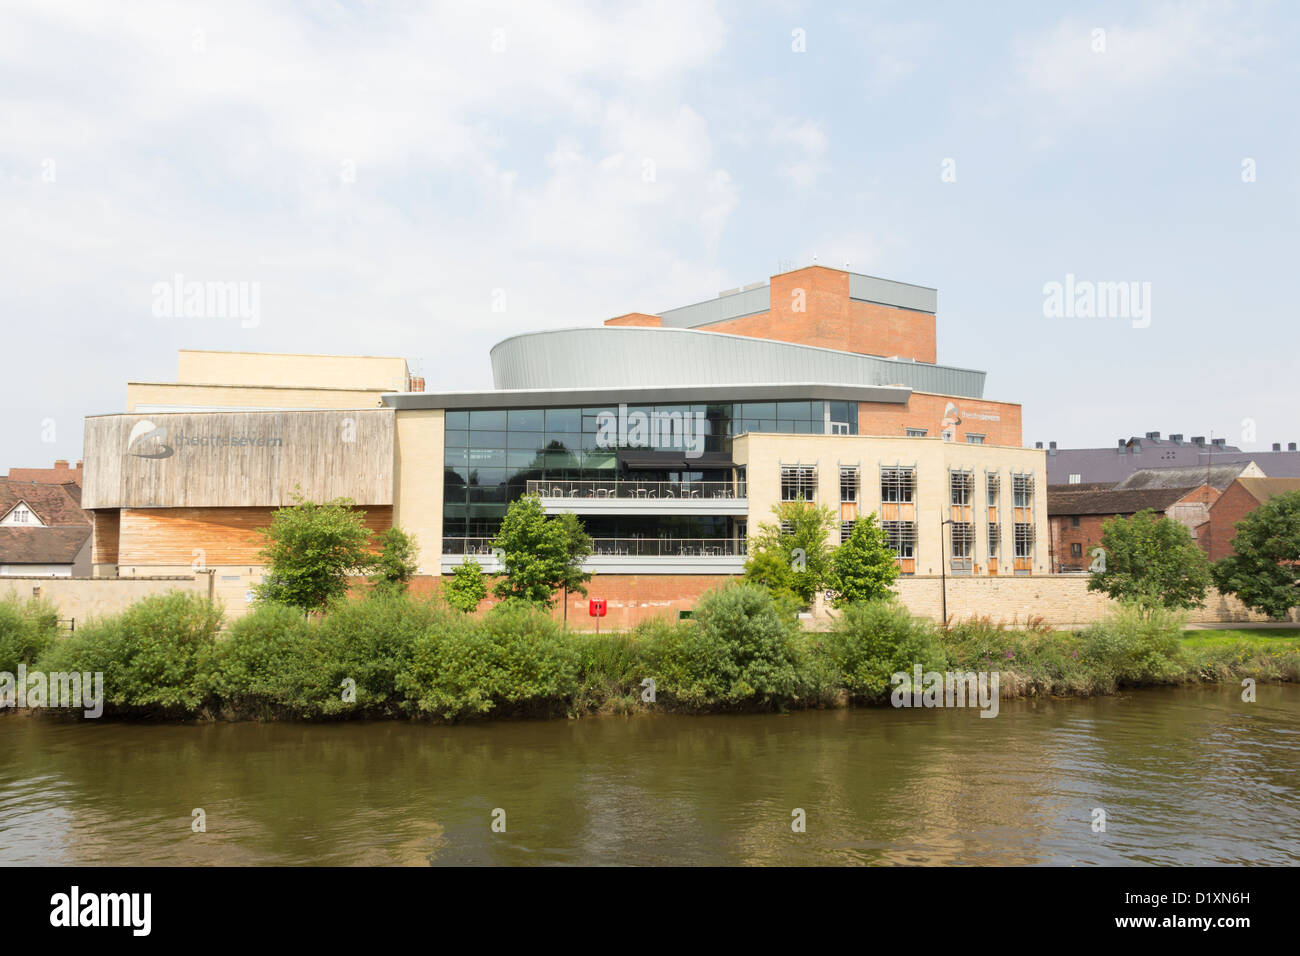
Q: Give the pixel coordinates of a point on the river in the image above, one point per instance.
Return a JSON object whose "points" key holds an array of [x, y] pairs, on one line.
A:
{"points": [[1184, 776]]}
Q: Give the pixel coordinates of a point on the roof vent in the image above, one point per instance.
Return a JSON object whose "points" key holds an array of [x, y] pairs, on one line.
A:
{"points": [[1038, 444], [1198, 439], [1176, 439], [1218, 442], [1122, 445], [1290, 446], [1277, 446], [1154, 436]]}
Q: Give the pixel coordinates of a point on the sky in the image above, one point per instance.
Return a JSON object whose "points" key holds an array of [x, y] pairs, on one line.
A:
{"points": [[424, 180]]}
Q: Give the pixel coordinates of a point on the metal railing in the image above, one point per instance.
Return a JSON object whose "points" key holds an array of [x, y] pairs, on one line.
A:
{"points": [[640, 547], [638, 489]]}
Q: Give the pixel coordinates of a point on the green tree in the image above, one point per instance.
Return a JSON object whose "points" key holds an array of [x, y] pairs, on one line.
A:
{"points": [[864, 567], [396, 563], [1265, 572], [467, 588], [311, 551], [795, 560], [1152, 562], [540, 554]]}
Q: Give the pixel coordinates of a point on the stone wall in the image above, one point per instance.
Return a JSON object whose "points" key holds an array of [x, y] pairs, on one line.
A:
{"points": [[78, 599]]}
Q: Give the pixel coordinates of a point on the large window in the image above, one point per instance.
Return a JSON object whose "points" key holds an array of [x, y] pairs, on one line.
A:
{"points": [[798, 483], [1024, 540], [963, 541], [898, 485], [1022, 491], [902, 537], [995, 538], [962, 486]]}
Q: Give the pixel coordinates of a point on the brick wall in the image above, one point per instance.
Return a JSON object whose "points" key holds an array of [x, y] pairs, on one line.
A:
{"points": [[1230, 507], [1087, 535], [925, 410]]}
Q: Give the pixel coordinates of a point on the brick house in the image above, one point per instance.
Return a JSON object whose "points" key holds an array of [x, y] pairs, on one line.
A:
{"points": [[1238, 500], [43, 531], [61, 474]]}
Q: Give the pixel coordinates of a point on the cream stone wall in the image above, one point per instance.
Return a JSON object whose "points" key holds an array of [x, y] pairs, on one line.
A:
{"points": [[241, 396], [763, 456], [417, 481], [364, 372], [82, 598]]}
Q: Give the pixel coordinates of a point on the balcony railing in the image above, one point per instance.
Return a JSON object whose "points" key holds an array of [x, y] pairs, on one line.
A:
{"points": [[639, 547], [637, 489]]}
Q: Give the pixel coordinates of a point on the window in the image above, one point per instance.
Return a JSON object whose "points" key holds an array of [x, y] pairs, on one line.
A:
{"points": [[995, 537], [1074, 521], [963, 541], [798, 483], [962, 486], [993, 489], [1022, 490], [846, 529], [1076, 479], [1076, 550], [839, 428], [1024, 540], [848, 484], [21, 515], [902, 537], [916, 432], [898, 485], [974, 439]]}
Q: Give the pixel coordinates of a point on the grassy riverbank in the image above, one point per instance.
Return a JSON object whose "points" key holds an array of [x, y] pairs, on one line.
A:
{"points": [[402, 657]]}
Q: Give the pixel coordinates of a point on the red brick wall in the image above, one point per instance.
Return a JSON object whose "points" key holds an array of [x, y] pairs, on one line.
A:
{"points": [[1087, 535], [923, 410], [630, 598], [635, 318], [1229, 508]]}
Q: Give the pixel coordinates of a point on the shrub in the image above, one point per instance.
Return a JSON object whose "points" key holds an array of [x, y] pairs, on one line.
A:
{"points": [[515, 660], [27, 629], [154, 655], [271, 661], [1137, 645], [738, 649], [871, 641], [467, 588]]}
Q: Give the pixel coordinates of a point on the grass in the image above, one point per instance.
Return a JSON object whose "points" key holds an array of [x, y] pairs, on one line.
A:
{"points": [[1273, 639]]}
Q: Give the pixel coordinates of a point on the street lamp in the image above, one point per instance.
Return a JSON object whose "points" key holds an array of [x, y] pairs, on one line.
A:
{"points": [[943, 569]]}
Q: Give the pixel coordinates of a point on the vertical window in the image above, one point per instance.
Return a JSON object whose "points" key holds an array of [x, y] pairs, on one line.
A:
{"points": [[848, 484], [902, 537], [1076, 479], [798, 483], [995, 535], [1022, 490], [846, 529], [962, 486], [963, 542], [1076, 550], [1024, 542]]}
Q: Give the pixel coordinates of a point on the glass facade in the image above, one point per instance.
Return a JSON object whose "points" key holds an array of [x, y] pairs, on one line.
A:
{"points": [[490, 455]]}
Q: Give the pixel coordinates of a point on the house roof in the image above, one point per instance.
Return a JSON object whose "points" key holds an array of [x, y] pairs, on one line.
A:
{"points": [[1261, 489], [53, 504], [1187, 476], [60, 474], [42, 545], [1110, 501]]}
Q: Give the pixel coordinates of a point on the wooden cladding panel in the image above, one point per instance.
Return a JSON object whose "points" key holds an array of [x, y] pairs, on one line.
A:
{"points": [[993, 565], [848, 510], [107, 525], [238, 459], [225, 536]]}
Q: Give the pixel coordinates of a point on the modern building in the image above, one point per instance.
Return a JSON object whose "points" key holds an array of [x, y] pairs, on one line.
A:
{"points": [[43, 531], [1073, 466], [670, 435]]}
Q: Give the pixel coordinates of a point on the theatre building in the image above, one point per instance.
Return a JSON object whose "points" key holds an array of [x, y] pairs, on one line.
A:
{"points": [[669, 435]]}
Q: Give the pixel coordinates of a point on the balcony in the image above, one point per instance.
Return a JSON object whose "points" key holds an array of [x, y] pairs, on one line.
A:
{"points": [[642, 497], [624, 555]]}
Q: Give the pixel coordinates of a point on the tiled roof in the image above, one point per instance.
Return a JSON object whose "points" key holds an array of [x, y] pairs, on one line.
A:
{"points": [[42, 545], [1187, 476], [1111, 501], [1261, 489], [53, 504]]}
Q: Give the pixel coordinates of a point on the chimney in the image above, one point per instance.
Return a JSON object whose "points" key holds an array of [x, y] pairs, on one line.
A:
{"points": [[1176, 439], [1198, 439], [1122, 445], [1218, 442], [1290, 446], [61, 464], [1051, 448], [1154, 436], [1277, 446], [1038, 444]]}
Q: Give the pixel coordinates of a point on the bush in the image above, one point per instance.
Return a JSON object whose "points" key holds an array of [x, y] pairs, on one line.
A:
{"points": [[27, 629], [740, 648], [1137, 646], [515, 660], [270, 662], [871, 641], [154, 656]]}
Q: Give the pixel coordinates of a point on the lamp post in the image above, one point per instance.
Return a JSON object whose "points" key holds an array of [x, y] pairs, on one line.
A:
{"points": [[943, 569]]}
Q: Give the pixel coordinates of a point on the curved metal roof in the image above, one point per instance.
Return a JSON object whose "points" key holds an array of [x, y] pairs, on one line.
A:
{"points": [[631, 356]]}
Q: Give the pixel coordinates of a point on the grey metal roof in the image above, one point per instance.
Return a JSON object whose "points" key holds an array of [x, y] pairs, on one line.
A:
{"points": [[624, 356], [1186, 476], [646, 395]]}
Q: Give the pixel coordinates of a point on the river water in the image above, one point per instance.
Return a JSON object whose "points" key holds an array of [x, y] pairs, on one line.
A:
{"points": [[1184, 776]]}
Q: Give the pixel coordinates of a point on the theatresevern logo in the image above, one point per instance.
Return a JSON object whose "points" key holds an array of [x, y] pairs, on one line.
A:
{"points": [[935, 689], [655, 430], [148, 440], [72, 909], [73, 690]]}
